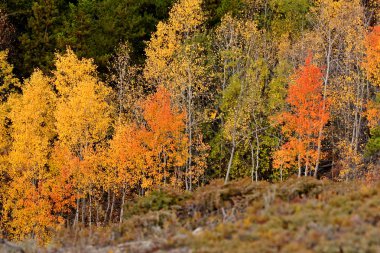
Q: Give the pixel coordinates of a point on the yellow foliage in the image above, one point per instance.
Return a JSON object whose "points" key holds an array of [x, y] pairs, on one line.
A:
{"points": [[83, 114], [185, 18], [27, 214], [32, 117], [7, 79], [72, 72]]}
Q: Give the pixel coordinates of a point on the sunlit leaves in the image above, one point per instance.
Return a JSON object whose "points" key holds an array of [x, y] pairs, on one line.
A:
{"points": [[302, 122]]}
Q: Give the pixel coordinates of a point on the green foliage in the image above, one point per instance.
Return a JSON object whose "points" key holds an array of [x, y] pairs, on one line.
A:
{"points": [[38, 43], [94, 28], [289, 16], [229, 6], [160, 199], [373, 144]]}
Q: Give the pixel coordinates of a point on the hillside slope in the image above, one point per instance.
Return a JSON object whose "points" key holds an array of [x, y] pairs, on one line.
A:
{"points": [[305, 215]]}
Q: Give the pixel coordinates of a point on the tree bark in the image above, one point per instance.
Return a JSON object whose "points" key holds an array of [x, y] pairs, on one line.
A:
{"points": [[83, 210], [122, 204], [90, 211], [76, 219], [108, 206], [325, 81], [112, 205], [230, 163]]}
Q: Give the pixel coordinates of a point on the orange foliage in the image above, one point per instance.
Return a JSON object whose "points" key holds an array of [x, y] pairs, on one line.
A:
{"points": [[150, 154], [372, 60], [60, 185], [163, 137], [307, 114], [27, 211], [371, 66]]}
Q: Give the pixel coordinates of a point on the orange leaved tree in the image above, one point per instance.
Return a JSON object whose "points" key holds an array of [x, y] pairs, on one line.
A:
{"points": [[150, 153], [164, 139], [301, 123], [371, 66]]}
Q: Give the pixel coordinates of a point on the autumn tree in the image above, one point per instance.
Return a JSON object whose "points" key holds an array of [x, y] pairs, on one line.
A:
{"points": [[27, 213], [235, 40], [307, 114], [164, 139], [336, 39], [8, 85], [125, 160], [185, 18], [33, 129], [371, 66], [245, 100], [151, 154], [177, 59], [126, 79], [33, 125], [82, 114]]}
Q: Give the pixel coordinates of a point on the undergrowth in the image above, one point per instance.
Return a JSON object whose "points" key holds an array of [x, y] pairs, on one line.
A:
{"points": [[299, 215]]}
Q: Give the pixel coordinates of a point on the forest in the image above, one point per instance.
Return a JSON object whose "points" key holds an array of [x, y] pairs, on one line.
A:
{"points": [[107, 103]]}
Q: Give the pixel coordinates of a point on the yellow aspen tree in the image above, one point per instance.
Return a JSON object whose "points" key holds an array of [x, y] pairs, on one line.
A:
{"points": [[83, 115], [33, 129], [33, 126], [185, 18], [176, 59], [190, 91], [8, 82]]}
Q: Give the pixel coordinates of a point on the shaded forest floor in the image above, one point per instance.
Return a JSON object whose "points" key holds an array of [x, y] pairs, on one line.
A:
{"points": [[299, 215]]}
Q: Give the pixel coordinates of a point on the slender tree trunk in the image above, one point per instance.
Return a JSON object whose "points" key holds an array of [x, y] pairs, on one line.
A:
{"points": [[237, 109], [257, 155], [108, 206], [83, 210], [230, 162], [360, 98], [76, 219], [112, 205], [190, 128], [326, 79], [165, 163], [90, 211], [299, 165], [122, 204], [307, 167], [97, 213], [186, 171], [253, 162]]}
